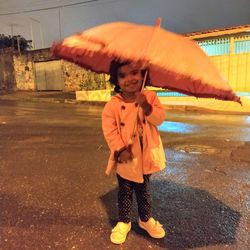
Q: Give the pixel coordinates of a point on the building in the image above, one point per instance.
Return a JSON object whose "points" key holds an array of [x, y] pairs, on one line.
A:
{"points": [[229, 49]]}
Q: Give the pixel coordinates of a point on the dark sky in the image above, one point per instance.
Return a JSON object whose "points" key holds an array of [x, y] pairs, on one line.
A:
{"points": [[45, 22]]}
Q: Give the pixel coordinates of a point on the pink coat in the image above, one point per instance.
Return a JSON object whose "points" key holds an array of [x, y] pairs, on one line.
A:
{"points": [[118, 122]]}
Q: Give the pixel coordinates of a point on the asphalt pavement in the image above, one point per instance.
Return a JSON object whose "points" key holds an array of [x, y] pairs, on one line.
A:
{"points": [[54, 193]]}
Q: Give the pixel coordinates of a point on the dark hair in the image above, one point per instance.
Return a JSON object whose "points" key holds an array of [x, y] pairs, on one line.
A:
{"points": [[113, 71]]}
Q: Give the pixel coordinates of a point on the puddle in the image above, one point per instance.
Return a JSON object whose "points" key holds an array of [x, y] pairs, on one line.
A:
{"points": [[35, 139], [196, 149], [177, 127]]}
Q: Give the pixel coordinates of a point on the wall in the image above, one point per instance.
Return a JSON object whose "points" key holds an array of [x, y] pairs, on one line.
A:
{"points": [[25, 73], [236, 69], [77, 78], [231, 54], [25, 68], [7, 78], [74, 77]]}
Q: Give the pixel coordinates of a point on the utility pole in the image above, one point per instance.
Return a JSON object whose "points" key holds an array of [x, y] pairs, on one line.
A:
{"points": [[12, 25], [18, 45], [32, 35], [31, 31], [59, 19], [11, 28]]}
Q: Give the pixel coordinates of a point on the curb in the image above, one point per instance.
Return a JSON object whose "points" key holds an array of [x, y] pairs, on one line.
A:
{"points": [[51, 100], [190, 108], [174, 107]]}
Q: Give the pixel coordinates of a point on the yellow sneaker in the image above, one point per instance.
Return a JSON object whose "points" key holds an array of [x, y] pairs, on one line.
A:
{"points": [[153, 227], [119, 232]]}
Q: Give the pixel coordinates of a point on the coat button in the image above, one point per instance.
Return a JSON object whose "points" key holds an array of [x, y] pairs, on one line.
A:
{"points": [[123, 107], [122, 124]]}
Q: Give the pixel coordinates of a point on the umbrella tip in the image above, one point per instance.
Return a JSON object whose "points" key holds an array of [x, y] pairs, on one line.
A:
{"points": [[239, 101], [158, 22]]}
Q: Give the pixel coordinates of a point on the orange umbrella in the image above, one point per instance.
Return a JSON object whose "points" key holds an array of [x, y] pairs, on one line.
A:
{"points": [[174, 62]]}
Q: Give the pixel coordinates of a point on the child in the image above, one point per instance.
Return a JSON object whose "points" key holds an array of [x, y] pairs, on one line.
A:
{"points": [[135, 144]]}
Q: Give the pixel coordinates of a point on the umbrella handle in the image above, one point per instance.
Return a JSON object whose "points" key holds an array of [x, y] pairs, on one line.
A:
{"points": [[144, 80], [137, 111]]}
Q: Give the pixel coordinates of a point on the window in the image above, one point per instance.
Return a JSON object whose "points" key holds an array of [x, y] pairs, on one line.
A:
{"points": [[215, 47], [242, 46]]}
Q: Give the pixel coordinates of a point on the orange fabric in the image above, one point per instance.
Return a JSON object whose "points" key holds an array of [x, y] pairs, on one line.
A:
{"points": [[174, 61], [152, 159]]}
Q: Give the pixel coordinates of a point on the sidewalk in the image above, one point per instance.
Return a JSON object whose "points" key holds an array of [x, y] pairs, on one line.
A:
{"points": [[209, 105], [194, 104]]}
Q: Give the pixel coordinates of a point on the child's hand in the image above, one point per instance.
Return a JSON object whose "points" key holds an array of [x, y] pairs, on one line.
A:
{"points": [[143, 103], [125, 156], [140, 98]]}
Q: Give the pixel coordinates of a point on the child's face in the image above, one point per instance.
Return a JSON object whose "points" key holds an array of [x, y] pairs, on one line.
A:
{"points": [[130, 78]]}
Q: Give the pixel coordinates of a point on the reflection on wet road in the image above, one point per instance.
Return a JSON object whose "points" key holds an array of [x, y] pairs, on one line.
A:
{"points": [[178, 127], [50, 113], [232, 127]]}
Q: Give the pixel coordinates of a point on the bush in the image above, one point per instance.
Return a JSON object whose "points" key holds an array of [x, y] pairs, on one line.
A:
{"points": [[12, 41]]}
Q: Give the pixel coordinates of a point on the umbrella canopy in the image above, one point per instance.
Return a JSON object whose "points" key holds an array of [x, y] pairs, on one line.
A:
{"points": [[174, 62]]}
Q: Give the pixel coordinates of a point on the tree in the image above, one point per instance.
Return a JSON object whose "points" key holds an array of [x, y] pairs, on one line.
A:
{"points": [[15, 42]]}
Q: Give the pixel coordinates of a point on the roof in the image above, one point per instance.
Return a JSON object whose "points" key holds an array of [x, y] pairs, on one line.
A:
{"points": [[219, 32]]}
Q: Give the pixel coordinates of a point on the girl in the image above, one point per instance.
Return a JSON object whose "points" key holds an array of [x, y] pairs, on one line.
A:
{"points": [[135, 144]]}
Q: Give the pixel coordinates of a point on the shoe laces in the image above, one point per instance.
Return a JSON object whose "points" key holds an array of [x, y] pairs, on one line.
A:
{"points": [[155, 224], [158, 224], [121, 227]]}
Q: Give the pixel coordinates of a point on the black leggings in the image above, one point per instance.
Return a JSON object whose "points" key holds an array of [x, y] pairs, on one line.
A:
{"points": [[125, 198]]}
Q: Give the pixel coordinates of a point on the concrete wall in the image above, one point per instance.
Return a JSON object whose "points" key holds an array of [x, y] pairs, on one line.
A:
{"points": [[77, 78], [231, 55], [236, 69], [25, 73], [7, 78], [74, 77], [94, 95], [25, 67]]}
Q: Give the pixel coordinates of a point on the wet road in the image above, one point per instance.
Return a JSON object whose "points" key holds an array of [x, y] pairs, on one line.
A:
{"points": [[54, 194]]}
